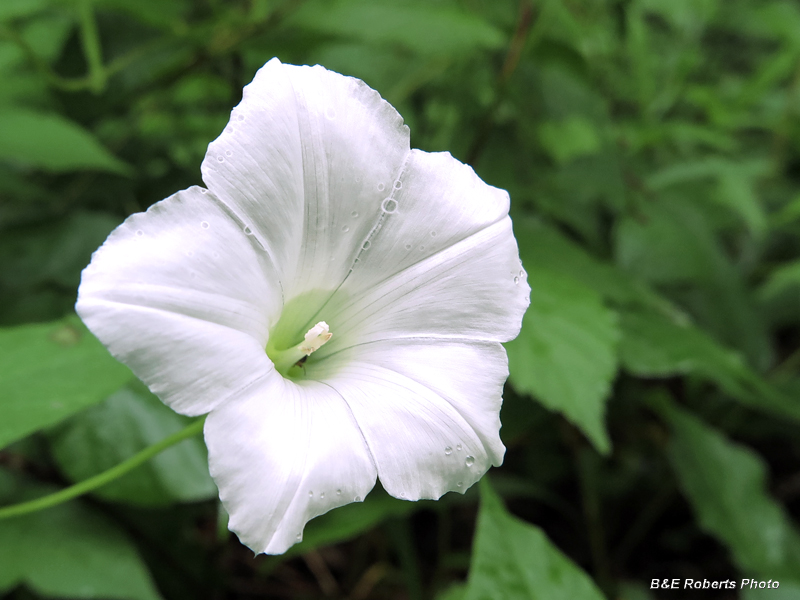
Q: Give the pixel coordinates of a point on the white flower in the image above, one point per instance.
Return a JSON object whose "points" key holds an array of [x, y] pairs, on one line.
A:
{"points": [[319, 226]]}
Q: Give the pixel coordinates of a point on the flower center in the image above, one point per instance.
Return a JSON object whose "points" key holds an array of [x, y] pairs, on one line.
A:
{"points": [[285, 360]]}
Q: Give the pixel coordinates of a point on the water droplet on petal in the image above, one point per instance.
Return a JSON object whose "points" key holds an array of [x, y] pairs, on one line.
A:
{"points": [[338, 492], [402, 494], [460, 483], [408, 246], [354, 214], [448, 451], [203, 191], [139, 232], [310, 494], [398, 184], [389, 205], [516, 280], [421, 248], [220, 159], [204, 225], [322, 495], [381, 187], [345, 228], [470, 461], [458, 447], [228, 153], [433, 234], [248, 231], [522, 273], [299, 537], [366, 245], [240, 117], [330, 113], [189, 253], [357, 499]]}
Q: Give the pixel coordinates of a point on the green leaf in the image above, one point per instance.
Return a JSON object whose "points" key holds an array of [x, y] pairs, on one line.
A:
{"points": [[514, 560], [569, 138], [70, 552], [726, 485], [654, 346], [50, 371], [566, 354], [52, 143], [14, 9], [129, 421], [423, 28]]}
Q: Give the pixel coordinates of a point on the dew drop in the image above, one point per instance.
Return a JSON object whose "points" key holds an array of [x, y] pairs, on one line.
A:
{"points": [[460, 483], [140, 233], [366, 245], [421, 248], [299, 537], [330, 113], [204, 225], [310, 494], [240, 117], [389, 205], [248, 231], [398, 184], [190, 253], [522, 273], [516, 280], [381, 187], [338, 492], [402, 494], [345, 228], [228, 153], [433, 234], [220, 159], [448, 451], [354, 214], [322, 495], [470, 461], [408, 246], [458, 447], [357, 499], [203, 191]]}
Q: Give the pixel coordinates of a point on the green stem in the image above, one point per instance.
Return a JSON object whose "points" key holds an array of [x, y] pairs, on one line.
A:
{"points": [[103, 478], [90, 40]]}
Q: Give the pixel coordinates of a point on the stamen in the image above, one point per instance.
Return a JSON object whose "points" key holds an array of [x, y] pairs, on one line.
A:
{"points": [[314, 339]]}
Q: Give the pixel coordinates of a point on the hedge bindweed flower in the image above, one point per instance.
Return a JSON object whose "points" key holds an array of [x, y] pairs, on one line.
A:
{"points": [[334, 299]]}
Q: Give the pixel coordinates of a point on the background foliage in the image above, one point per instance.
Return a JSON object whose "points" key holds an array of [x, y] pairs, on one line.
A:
{"points": [[652, 153]]}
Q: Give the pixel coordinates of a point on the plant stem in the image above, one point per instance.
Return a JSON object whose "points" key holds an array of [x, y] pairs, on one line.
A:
{"points": [[90, 40], [103, 478]]}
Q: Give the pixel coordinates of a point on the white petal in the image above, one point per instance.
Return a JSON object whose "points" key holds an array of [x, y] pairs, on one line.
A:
{"points": [[182, 296], [428, 412], [282, 454], [305, 162], [471, 290]]}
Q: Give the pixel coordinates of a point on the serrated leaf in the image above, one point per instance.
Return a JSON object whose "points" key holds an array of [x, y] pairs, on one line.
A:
{"points": [[726, 485], [69, 551], [566, 353], [127, 422], [514, 560], [50, 371], [52, 143]]}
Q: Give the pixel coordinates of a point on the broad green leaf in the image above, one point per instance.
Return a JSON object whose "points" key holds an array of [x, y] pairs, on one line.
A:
{"points": [[52, 143], [566, 352], [15, 9], [654, 346], [130, 420], [69, 551], [514, 560], [783, 278], [569, 138], [424, 28], [50, 371], [726, 486]]}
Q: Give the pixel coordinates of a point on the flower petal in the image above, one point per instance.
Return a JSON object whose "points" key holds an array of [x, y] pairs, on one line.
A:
{"points": [[282, 454], [429, 412], [183, 297], [305, 162]]}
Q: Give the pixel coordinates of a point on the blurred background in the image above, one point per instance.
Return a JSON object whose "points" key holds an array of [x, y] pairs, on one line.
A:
{"points": [[652, 152]]}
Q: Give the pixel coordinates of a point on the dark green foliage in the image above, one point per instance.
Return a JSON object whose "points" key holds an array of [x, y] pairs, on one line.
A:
{"points": [[652, 152]]}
